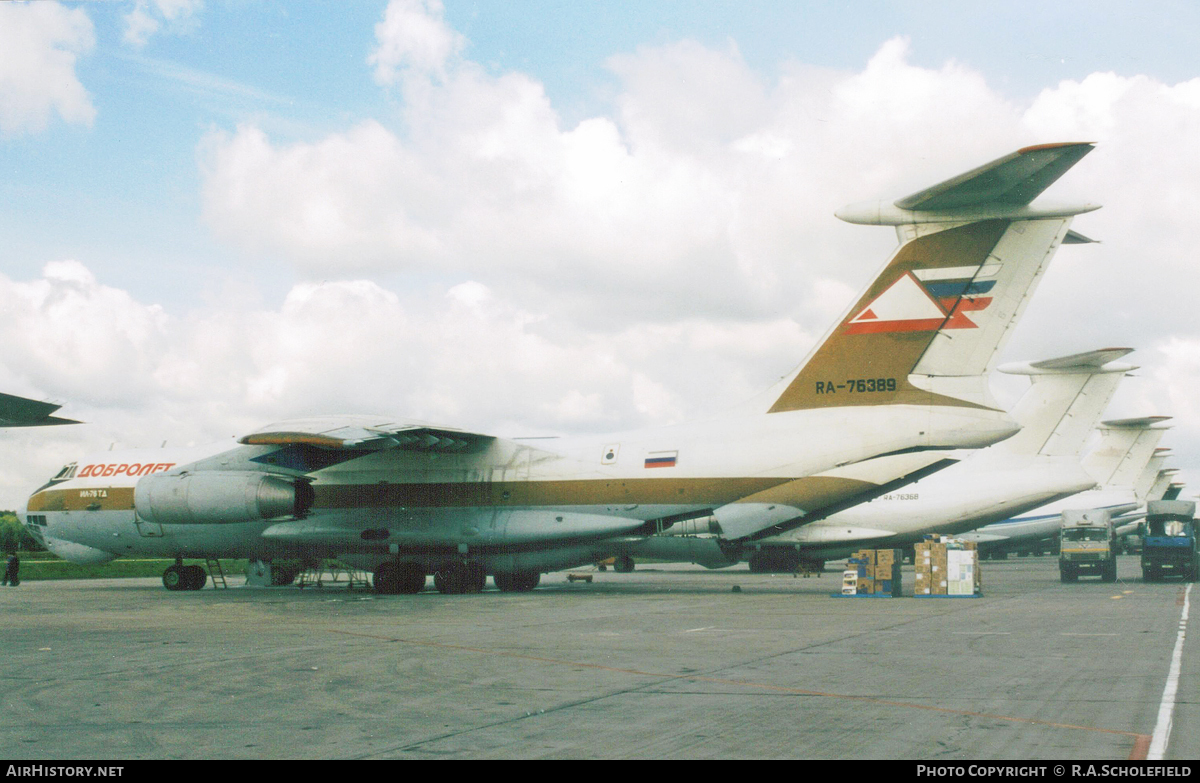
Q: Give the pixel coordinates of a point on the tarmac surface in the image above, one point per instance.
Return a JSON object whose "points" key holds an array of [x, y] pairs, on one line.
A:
{"points": [[667, 662]]}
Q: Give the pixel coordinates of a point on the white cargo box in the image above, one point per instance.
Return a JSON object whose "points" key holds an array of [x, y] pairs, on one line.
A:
{"points": [[961, 587]]}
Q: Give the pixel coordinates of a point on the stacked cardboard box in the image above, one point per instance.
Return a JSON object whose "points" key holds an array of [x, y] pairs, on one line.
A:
{"points": [[888, 576], [947, 566], [876, 572]]}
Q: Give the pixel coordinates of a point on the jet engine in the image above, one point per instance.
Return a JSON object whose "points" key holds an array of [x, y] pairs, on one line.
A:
{"points": [[211, 497]]}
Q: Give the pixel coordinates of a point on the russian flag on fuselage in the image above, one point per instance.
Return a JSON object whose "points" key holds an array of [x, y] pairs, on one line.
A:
{"points": [[661, 459], [928, 299]]}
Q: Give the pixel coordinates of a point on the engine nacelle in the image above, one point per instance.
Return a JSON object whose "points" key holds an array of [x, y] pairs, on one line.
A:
{"points": [[213, 497]]}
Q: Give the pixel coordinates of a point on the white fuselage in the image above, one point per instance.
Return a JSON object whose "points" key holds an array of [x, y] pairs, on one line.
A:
{"points": [[981, 489]]}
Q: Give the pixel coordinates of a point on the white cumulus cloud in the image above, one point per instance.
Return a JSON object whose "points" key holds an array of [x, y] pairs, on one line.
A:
{"points": [[413, 38], [40, 44], [149, 16]]}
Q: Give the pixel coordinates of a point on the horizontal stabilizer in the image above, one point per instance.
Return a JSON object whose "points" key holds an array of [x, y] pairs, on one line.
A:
{"points": [[1014, 180], [1090, 362]]}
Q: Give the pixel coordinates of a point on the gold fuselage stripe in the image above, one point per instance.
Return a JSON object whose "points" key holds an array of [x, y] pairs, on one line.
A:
{"points": [[805, 492]]}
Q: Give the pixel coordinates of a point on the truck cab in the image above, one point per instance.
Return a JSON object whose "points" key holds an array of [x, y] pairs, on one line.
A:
{"points": [[1087, 546], [1169, 541]]}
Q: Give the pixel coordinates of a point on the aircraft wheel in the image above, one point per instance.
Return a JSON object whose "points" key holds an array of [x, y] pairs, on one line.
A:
{"points": [[283, 575], [475, 578], [519, 582], [624, 564], [450, 579], [197, 577], [411, 578], [174, 578], [386, 579]]}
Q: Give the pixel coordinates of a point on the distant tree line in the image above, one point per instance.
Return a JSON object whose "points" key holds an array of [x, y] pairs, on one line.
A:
{"points": [[14, 536]]}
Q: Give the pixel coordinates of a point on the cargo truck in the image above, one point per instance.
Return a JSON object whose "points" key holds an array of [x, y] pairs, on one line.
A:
{"points": [[1087, 546], [1169, 541]]}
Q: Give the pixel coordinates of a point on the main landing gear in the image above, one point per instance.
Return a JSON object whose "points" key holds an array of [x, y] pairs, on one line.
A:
{"points": [[453, 577], [181, 577]]}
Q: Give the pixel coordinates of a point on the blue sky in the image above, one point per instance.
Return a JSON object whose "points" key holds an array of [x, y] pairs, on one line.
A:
{"points": [[640, 192]]}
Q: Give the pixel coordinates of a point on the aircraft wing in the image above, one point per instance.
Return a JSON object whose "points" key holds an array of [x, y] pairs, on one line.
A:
{"points": [[785, 507], [363, 433], [983, 538], [1127, 525], [1014, 180], [22, 412]]}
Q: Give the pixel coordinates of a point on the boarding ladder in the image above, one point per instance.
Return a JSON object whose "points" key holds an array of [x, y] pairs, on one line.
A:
{"points": [[218, 575]]}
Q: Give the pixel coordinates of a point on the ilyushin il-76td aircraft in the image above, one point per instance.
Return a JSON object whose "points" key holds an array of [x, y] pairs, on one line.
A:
{"points": [[901, 375]]}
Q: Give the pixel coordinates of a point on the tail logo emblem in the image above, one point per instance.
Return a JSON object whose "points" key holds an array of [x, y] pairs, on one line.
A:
{"points": [[927, 300]]}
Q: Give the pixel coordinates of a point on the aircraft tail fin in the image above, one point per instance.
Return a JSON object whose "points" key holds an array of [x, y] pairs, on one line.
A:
{"points": [[1125, 446], [1064, 402], [928, 327], [1162, 483], [1150, 474]]}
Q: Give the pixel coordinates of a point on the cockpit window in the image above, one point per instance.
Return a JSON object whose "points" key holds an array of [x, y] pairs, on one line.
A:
{"points": [[68, 472]]}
